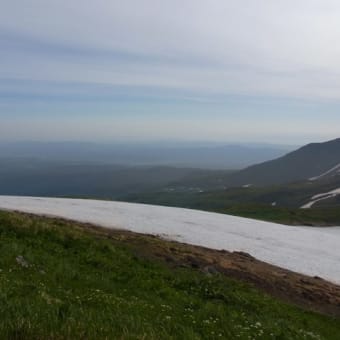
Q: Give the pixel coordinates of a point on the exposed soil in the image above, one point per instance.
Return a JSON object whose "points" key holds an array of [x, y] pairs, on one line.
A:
{"points": [[312, 293]]}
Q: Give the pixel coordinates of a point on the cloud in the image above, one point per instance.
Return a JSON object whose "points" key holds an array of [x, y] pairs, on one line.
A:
{"points": [[175, 51], [280, 47]]}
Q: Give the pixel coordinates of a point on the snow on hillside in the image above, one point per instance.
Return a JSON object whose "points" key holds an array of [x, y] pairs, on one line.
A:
{"points": [[312, 251], [334, 169], [321, 197]]}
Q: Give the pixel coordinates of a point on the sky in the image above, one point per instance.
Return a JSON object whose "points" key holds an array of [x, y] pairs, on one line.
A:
{"points": [[217, 70]]}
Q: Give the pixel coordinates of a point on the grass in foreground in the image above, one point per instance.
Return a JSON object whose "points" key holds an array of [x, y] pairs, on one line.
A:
{"points": [[59, 281]]}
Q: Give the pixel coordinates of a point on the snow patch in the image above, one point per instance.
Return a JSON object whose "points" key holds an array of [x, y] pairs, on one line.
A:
{"points": [[321, 197], [335, 168], [312, 251]]}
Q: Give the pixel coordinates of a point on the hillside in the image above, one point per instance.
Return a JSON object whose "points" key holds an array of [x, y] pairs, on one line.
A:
{"points": [[65, 280], [277, 203], [312, 161]]}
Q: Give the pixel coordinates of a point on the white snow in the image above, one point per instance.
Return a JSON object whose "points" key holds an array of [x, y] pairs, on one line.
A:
{"points": [[337, 167], [312, 251], [247, 185], [321, 197], [333, 192]]}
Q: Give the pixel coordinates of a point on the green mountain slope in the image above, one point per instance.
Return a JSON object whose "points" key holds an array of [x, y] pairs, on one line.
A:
{"points": [[307, 162]]}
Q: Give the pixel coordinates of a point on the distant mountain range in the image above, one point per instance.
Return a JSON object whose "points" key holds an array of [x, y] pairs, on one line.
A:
{"points": [[189, 155]]}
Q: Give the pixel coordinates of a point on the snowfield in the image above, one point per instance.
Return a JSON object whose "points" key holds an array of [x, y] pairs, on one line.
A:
{"points": [[312, 251]]}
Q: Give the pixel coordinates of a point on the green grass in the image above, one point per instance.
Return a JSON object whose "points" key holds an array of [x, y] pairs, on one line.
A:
{"points": [[251, 202], [320, 216], [256, 202], [72, 284]]}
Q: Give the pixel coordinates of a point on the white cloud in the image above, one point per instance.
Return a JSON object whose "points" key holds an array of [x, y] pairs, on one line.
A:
{"points": [[199, 50], [254, 47]]}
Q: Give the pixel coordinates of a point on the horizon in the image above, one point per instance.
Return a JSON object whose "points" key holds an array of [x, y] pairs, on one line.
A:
{"points": [[154, 142], [138, 71]]}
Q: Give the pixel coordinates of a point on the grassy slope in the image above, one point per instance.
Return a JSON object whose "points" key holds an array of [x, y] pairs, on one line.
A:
{"points": [[245, 203], [309, 217], [256, 202], [72, 284]]}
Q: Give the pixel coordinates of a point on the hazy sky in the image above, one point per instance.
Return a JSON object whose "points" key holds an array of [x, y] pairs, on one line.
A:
{"points": [[241, 70]]}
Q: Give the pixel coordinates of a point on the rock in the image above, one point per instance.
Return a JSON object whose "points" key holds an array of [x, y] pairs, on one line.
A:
{"points": [[244, 255], [22, 262], [210, 270], [194, 263]]}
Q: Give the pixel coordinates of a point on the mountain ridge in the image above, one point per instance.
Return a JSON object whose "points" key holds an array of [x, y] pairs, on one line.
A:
{"points": [[307, 162]]}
